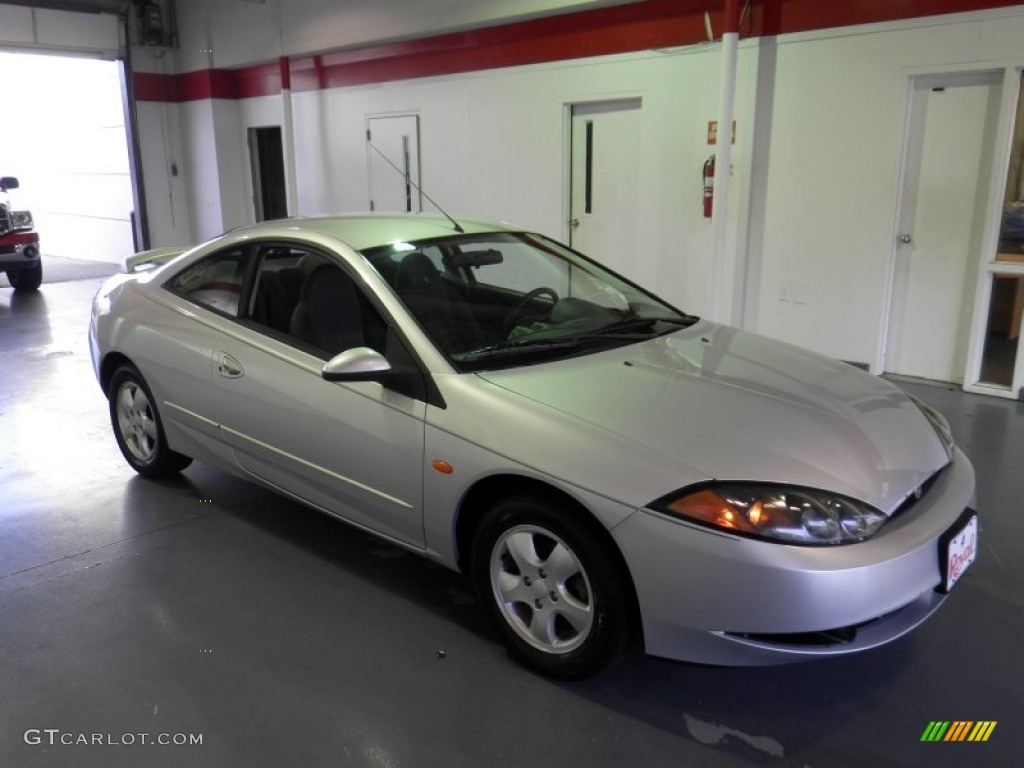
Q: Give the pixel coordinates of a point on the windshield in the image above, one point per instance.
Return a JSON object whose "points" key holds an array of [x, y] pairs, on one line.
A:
{"points": [[503, 299]]}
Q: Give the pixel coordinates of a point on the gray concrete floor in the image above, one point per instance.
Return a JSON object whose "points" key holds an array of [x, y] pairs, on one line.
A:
{"points": [[209, 607]]}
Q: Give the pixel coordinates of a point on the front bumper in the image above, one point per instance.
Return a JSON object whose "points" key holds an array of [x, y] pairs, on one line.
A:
{"points": [[19, 250], [721, 599]]}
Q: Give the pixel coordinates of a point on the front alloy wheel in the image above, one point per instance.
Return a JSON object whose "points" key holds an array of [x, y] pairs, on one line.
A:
{"points": [[542, 589], [550, 582], [137, 426]]}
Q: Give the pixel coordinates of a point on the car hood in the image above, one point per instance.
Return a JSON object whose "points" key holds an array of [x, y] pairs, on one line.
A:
{"points": [[732, 405]]}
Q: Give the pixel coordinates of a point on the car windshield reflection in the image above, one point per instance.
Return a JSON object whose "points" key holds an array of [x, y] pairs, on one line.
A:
{"points": [[505, 299]]}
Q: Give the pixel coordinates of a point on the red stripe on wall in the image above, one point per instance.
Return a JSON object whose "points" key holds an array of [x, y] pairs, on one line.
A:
{"points": [[154, 87], [204, 84], [779, 17], [257, 80], [511, 45], [639, 26]]}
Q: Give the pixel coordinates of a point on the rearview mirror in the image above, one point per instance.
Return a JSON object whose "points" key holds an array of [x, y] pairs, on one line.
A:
{"points": [[474, 258], [356, 364]]}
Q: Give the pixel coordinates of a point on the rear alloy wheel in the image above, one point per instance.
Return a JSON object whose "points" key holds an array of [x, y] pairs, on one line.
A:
{"points": [[551, 588], [24, 280], [138, 428]]}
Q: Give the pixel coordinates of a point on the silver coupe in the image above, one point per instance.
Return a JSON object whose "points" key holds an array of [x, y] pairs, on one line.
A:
{"points": [[607, 469]]}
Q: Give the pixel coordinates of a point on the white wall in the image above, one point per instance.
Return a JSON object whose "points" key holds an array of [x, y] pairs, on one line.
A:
{"points": [[163, 168], [815, 178], [836, 140], [492, 147]]}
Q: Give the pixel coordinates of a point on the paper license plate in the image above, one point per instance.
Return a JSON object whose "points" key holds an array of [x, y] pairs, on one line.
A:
{"points": [[958, 549]]}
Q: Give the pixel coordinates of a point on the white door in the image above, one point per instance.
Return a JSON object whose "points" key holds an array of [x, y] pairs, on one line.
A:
{"points": [[393, 152], [947, 164], [604, 204]]}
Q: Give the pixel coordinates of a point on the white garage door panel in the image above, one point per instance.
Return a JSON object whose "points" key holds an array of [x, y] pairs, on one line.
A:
{"points": [[16, 25], [45, 29]]}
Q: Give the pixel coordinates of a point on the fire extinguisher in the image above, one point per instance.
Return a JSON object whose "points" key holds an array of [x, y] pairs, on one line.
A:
{"points": [[709, 186]]}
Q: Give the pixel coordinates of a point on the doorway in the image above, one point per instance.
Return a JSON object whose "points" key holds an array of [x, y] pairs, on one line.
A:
{"points": [[998, 355], [393, 156], [266, 155], [604, 181], [67, 144], [951, 128]]}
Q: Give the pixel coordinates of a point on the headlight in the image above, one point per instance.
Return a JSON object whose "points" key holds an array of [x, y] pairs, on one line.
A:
{"points": [[21, 220], [939, 424], [779, 513]]}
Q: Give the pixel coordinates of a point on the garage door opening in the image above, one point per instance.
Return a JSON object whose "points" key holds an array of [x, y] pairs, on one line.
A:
{"points": [[66, 143]]}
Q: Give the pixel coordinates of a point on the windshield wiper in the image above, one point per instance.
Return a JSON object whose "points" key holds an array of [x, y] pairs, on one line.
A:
{"points": [[625, 330], [518, 346], [634, 324]]}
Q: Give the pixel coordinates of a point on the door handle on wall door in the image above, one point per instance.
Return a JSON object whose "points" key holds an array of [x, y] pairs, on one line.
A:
{"points": [[574, 223], [905, 238]]}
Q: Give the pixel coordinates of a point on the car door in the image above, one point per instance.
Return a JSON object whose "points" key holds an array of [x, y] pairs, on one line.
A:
{"points": [[354, 449], [176, 356]]}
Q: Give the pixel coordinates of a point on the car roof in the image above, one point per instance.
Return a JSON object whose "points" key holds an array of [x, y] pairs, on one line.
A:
{"points": [[371, 229]]}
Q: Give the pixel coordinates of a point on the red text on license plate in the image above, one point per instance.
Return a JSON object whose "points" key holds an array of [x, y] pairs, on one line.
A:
{"points": [[960, 552]]}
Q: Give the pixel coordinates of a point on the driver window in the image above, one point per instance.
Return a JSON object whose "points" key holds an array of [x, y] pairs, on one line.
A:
{"points": [[303, 296]]}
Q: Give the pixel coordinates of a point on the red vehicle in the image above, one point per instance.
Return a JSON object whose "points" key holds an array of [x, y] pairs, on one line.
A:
{"points": [[19, 243]]}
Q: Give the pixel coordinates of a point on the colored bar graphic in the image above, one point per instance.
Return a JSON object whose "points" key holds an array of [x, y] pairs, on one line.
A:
{"points": [[935, 731], [982, 730], [958, 730]]}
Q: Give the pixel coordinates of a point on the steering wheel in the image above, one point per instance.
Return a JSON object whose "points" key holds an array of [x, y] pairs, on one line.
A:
{"points": [[513, 317]]}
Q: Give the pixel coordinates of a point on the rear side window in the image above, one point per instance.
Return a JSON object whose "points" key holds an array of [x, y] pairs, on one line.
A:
{"points": [[215, 282]]}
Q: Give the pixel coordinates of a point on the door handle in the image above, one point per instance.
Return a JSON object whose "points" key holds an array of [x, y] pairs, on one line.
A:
{"points": [[574, 223], [905, 238], [228, 367]]}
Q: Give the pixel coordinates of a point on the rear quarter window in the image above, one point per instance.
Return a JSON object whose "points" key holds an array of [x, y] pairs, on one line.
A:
{"points": [[214, 282]]}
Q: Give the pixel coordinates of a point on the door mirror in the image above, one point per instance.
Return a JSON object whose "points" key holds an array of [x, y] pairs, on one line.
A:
{"points": [[357, 364], [8, 182]]}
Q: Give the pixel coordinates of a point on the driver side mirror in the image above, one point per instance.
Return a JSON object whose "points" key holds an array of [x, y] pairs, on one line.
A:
{"points": [[357, 364], [8, 182]]}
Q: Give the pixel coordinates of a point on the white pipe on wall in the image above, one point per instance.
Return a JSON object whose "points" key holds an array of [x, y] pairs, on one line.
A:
{"points": [[723, 156], [288, 137]]}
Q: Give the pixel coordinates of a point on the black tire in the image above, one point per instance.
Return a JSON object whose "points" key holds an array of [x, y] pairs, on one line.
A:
{"points": [[25, 280], [138, 428], [573, 595]]}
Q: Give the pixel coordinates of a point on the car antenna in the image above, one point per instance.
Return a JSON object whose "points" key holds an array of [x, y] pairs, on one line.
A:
{"points": [[419, 189]]}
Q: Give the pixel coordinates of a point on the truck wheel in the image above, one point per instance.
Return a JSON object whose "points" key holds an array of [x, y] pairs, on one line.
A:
{"points": [[137, 426], [550, 587], [23, 280]]}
